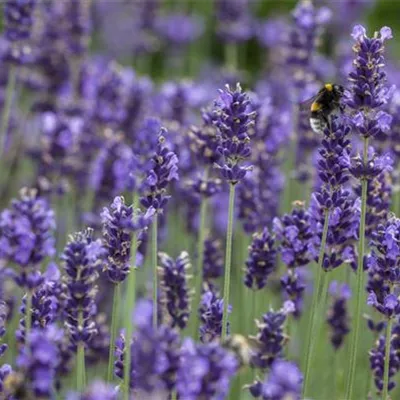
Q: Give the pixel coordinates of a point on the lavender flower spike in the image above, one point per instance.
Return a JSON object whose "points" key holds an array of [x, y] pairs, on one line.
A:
{"points": [[118, 227], [233, 118], [163, 170], [205, 371], [261, 261], [338, 318], [81, 258], [26, 236], [174, 283], [96, 391], [283, 382]]}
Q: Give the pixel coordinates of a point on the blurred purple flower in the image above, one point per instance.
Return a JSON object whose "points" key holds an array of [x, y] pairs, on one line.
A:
{"points": [[261, 260], [95, 391], [175, 287], [82, 257], [205, 371], [26, 236], [338, 318]]}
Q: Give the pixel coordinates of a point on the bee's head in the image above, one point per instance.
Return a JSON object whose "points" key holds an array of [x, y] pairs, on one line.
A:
{"points": [[339, 89]]}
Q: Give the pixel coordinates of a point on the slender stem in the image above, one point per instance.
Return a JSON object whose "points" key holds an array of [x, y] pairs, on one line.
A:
{"points": [[114, 328], [7, 107], [130, 299], [231, 56], [387, 360], [228, 256], [80, 370], [194, 323], [319, 284], [154, 252], [359, 290], [28, 312]]}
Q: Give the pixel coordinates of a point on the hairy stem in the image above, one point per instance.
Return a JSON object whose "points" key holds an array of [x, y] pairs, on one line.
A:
{"points": [[228, 256], [387, 360], [359, 289], [130, 300], [154, 251], [114, 328], [80, 360], [317, 297], [5, 118]]}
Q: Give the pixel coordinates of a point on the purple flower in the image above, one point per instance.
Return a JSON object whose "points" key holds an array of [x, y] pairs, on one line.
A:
{"points": [[293, 231], [26, 236], [118, 226], [174, 284], [379, 198], [235, 23], [38, 361], [162, 171], [47, 303], [211, 311], [3, 317], [283, 382], [306, 28], [338, 318], [5, 371], [190, 28], [233, 120], [213, 259], [261, 261], [293, 284], [205, 371], [155, 354], [270, 338], [111, 168], [95, 391], [18, 19], [383, 269], [81, 258], [377, 360]]}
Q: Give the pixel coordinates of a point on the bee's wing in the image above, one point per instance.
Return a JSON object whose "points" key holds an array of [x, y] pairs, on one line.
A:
{"points": [[306, 105]]}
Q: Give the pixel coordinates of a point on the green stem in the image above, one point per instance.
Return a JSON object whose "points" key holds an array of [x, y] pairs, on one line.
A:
{"points": [[114, 328], [28, 312], [7, 107], [228, 256], [231, 56], [80, 370], [194, 322], [359, 290], [154, 252], [319, 284], [130, 300], [387, 359]]}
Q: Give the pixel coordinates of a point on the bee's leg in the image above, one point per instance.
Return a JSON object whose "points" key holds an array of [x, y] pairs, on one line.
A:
{"points": [[327, 121]]}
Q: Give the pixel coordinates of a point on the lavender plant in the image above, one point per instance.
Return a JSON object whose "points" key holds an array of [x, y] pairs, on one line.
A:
{"points": [[368, 94]]}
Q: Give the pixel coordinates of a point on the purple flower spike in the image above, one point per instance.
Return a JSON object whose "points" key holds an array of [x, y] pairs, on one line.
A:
{"points": [[384, 269], [155, 355], [26, 236], [38, 361], [233, 118], [174, 284], [18, 19], [211, 310], [163, 170], [283, 382], [377, 360], [205, 371], [270, 338], [118, 226], [261, 261], [82, 257], [338, 318], [98, 390], [213, 261]]}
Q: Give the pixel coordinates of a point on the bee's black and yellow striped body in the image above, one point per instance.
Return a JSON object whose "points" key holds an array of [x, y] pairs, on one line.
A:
{"points": [[326, 102]]}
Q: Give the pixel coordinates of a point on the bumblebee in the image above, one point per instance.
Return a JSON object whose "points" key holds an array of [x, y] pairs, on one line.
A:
{"points": [[324, 104]]}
